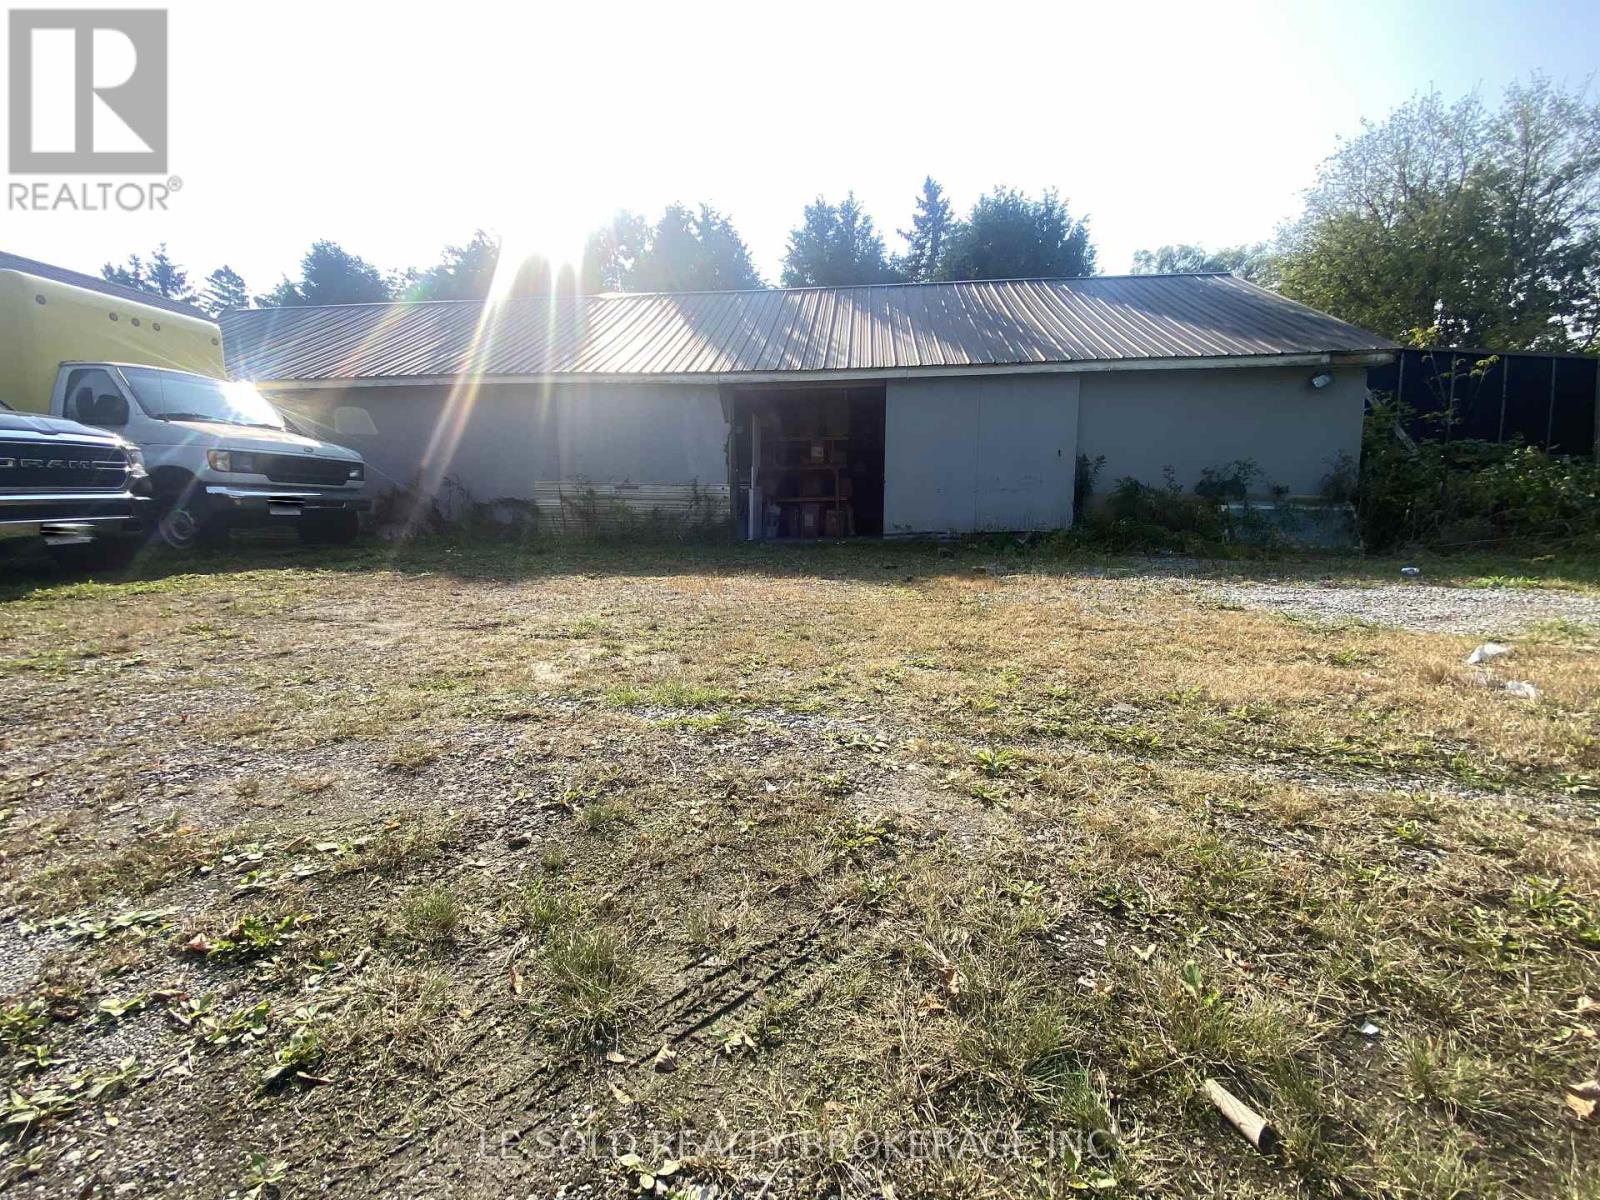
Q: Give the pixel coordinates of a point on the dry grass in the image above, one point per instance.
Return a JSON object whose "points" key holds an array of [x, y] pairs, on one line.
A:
{"points": [[873, 843]]}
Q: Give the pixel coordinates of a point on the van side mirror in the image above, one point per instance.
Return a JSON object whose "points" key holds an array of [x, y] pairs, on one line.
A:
{"points": [[110, 411]]}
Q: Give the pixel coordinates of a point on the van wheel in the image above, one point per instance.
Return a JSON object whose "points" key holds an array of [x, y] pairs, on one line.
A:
{"points": [[185, 525], [336, 528]]}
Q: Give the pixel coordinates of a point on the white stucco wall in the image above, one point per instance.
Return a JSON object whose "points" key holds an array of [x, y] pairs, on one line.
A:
{"points": [[499, 442], [1145, 421], [979, 453]]}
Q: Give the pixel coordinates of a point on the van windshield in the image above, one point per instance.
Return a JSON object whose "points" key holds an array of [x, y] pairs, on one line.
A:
{"points": [[180, 396]]}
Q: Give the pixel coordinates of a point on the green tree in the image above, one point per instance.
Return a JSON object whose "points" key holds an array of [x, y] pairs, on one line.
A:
{"points": [[467, 272], [692, 250], [158, 275], [1008, 236], [224, 291], [1457, 225], [329, 274], [1254, 262], [931, 223], [687, 250], [612, 253], [835, 246]]}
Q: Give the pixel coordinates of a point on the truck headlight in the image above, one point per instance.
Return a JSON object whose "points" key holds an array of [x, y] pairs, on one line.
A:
{"points": [[358, 472], [240, 462], [136, 465]]}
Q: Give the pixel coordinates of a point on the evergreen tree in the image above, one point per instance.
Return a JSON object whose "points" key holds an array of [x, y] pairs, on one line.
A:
{"points": [[224, 292], [930, 226], [1008, 236], [835, 246], [158, 275], [687, 250], [329, 274]]}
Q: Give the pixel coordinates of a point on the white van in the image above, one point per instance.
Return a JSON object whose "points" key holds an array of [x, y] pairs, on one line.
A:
{"points": [[219, 454]]}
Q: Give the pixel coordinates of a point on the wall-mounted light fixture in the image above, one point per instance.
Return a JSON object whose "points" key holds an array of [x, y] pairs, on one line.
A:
{"points": [[1321, 379]]}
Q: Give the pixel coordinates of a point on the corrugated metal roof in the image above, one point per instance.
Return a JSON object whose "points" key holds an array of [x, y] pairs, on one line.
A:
{"points": [[44, 270], [884, 327]]}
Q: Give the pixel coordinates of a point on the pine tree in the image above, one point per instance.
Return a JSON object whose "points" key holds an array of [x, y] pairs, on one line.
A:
{"points": [[224, 292], [836, 245], [930, 225], [166, 278], [158, 275]]}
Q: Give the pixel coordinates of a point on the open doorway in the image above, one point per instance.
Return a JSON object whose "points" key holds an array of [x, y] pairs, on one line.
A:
{"points": [[809, 462]]}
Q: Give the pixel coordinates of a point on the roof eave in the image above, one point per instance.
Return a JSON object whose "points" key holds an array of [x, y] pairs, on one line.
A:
{"points": [[1361, 358]]}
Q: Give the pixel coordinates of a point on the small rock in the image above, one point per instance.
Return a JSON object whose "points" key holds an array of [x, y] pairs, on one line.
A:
{"points": [[518, 840], [1487, 652], [1411, 572], [1368, 1029], [1520, 689]]}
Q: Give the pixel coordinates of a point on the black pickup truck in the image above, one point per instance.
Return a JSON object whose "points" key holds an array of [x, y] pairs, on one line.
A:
{"points": [[66, 485]]}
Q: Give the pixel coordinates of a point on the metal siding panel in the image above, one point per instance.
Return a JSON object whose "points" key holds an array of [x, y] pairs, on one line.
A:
{"points": [[930, 463], [1027, 453]]}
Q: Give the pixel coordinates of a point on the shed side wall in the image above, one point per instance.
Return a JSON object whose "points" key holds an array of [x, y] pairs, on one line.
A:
{"points": [[1145, 421], [502, 440]]}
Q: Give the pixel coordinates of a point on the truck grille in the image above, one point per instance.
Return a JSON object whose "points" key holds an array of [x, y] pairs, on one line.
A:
{"points": [[54, 466], [302, 468]]}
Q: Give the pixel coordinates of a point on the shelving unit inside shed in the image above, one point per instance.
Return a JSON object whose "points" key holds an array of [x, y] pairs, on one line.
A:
{"points": [[813, 461]]}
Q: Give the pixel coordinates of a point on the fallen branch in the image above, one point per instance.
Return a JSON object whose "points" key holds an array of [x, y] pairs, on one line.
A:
{"points": [[1242, 1117]]}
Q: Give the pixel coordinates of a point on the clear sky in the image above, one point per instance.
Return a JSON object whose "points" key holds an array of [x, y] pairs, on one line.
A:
{"points": [[395, 128]]}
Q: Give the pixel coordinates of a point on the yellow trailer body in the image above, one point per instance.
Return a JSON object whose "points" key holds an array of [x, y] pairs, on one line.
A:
{"points": [[44, 323]]}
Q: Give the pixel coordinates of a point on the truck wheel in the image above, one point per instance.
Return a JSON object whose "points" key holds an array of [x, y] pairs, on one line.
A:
{"points": [[337, 528], [185, 525]]}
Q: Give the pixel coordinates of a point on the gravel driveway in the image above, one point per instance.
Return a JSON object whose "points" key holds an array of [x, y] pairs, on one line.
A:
{"points": [[1434, 608]]}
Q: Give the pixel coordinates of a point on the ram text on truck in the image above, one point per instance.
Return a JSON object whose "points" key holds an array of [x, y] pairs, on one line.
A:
{"points": [[68, 488]]}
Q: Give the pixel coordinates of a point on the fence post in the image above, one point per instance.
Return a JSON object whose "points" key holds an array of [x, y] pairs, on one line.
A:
{"points": [[1550, 420], [1505, 372], [1596, 364]]}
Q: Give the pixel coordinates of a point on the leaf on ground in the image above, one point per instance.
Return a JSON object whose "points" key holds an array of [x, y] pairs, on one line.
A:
{"points": [[666, 1058], [1583, 1098]]}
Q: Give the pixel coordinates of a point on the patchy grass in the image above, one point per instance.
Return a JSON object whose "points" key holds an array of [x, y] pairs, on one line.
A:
{"points": [[826, 842], [432, 915]]}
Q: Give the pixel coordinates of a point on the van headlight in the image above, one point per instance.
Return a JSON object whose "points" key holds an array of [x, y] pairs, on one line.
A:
{"points": [[238, 462], [358, 472]]}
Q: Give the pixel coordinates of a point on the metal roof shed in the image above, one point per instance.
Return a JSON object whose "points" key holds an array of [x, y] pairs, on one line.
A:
{"points": [[989, 390]]}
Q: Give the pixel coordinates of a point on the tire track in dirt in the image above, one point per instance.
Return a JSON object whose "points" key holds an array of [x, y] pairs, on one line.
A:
{"points": [[678, 1019]]}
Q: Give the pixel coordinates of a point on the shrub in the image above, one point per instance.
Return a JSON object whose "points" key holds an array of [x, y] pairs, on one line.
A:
{"points": [[1457, 492], [1137, 515]]}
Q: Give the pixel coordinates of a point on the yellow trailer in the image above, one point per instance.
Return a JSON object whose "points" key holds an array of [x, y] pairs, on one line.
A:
{"points": [[44, 323]]}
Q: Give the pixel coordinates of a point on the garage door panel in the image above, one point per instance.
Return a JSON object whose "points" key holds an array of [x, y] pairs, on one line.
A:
{"points": [[969, 454]]}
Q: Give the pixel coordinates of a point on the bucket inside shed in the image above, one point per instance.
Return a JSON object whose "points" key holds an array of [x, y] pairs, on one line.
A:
{"points": [[809, 462]]}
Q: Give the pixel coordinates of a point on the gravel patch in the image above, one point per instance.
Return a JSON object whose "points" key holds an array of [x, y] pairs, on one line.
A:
{"points": [[1431, 608]]}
